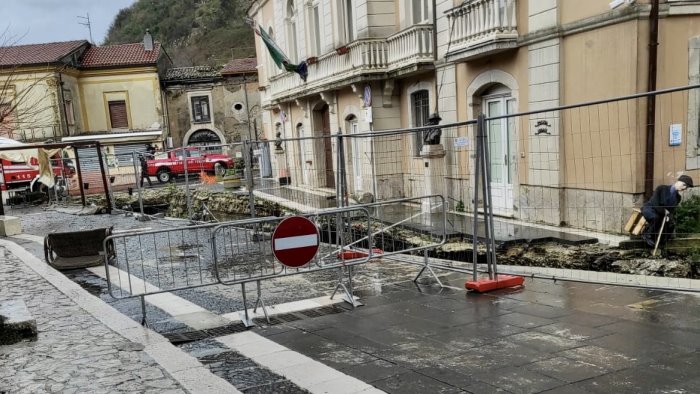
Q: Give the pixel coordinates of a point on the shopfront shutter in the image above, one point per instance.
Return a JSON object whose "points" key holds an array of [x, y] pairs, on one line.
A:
{"points": [[124, 156], [88, 159]]}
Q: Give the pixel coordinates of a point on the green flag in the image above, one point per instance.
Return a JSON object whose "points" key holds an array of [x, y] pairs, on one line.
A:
{"points": [[278, 56], [275, 52]]}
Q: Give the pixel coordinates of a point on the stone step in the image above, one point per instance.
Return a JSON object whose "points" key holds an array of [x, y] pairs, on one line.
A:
{"points": [[682, 245], [685, 244], [16, 323]]}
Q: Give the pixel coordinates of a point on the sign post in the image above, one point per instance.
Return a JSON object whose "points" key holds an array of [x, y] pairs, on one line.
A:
{"points": [[295, 241]]}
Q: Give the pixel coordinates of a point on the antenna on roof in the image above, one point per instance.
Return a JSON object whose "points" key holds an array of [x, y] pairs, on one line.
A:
{"points": [[87, 23]]}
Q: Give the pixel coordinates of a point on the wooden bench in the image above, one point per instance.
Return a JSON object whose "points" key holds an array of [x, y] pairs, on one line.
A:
{"points": [[77, 249], [636, 222]]}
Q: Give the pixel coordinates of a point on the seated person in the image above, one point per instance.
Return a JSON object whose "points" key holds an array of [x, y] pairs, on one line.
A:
{"points": [[660, 208]]}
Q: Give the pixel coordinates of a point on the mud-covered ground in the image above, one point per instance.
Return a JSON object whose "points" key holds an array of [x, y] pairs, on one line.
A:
{"points": [[595, 257], [677, 263]]}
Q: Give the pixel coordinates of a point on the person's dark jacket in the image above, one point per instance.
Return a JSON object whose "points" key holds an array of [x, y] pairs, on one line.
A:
{"points": [[144, 165], [662, 200]]}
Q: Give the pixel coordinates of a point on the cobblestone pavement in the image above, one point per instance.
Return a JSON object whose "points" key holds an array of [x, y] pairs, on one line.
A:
{"points": [[74, 351], [84, 345]]}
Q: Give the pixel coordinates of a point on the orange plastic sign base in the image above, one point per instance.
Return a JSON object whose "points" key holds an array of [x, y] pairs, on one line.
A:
{"points": [[357, 254], [501, 282]]}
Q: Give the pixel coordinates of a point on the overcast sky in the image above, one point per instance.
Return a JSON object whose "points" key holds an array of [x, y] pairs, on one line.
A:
{"points": [[38, 21]]}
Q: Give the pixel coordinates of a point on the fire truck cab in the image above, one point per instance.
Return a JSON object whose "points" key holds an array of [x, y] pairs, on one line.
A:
{"points": [[21, 174]]}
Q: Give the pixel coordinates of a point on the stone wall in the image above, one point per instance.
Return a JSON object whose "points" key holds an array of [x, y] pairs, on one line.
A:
{"points": [[597, 210], [577, 208], [176, 201]]}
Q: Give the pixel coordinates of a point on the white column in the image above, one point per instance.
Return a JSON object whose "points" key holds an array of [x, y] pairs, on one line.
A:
{"points": [[434, 171]]}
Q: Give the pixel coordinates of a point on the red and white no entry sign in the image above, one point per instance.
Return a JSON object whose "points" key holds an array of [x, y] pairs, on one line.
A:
{"points": [[295, 241]]}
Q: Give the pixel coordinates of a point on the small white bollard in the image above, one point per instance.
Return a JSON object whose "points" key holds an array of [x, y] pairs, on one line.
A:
{"points": [[10, 225]]}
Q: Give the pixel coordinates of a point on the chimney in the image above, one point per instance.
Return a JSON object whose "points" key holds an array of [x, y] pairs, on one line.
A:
{"points": [[147, 41]]}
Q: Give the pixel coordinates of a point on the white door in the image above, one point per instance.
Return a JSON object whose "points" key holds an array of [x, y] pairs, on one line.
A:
{"points": [[501, 137], [356, 157], [302, 153]]}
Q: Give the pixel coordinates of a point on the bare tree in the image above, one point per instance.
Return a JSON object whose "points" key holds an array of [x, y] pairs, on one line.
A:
{"points": [[29, 102]]}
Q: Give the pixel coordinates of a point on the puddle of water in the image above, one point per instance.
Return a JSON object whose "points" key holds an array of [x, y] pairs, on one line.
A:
{"points": [[92, 288]]}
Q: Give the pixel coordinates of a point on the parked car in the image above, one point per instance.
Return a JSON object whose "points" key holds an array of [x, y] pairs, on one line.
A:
{"points": [[170, 164]]}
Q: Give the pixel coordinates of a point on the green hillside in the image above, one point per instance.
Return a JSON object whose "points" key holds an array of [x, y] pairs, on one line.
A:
{"points": [[194, 32]]}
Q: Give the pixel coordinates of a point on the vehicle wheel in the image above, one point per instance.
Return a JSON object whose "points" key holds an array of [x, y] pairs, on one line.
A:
{"points": [[220, 168], [164, 175]]}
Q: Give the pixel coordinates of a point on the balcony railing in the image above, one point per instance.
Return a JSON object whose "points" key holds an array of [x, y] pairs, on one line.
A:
{"points": [[365, 56], [482, 27], [409, 45], [42, 134]]}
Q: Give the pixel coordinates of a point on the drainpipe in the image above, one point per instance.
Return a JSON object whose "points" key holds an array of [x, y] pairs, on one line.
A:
{"points": [[247, 108], [651, 100], [435, 54], [165, 126]]}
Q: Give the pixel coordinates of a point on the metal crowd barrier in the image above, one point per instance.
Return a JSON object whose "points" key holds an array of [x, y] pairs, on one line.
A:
{"points": [[243, 249], [240, 252], [159, 261]]}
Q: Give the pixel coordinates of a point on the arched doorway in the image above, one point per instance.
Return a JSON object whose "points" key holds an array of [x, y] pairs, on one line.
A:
{"points": [[205, 138], [322, 127]]}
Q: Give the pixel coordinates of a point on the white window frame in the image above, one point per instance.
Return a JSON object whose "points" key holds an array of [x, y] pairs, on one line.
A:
{"points": [[418, 136], [270, 63], [291, 31], [202, 104], [347, 21], [425, 11], [200, 93], [313, 15]]}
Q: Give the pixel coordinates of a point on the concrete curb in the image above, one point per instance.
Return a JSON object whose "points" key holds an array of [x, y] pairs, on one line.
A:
{"points": [[187, 370]]}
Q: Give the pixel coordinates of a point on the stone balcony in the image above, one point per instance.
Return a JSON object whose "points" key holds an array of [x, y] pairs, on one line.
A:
{"points": [[482, 27], [374, 58]]}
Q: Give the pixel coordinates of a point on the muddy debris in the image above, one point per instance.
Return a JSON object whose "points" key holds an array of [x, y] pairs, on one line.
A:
{"points": [[591, 257], [597, 257]]}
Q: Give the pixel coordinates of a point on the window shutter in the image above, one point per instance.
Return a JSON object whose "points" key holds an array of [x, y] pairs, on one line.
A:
{"points": [[117, 115]]}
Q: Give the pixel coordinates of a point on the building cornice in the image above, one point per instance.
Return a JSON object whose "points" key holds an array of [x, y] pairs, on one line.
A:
{"points": [[636, 12], [118, 71], [255, 7]]}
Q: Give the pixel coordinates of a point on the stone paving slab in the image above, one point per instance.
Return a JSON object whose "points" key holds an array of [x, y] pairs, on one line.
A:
{"points": [[16, 323], [563, 337], [545, 337], [84, 345]]}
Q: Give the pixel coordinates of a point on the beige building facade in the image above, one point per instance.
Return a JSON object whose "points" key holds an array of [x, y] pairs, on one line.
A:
{"points": [[73, 89], [581, 167], [35, 89]]}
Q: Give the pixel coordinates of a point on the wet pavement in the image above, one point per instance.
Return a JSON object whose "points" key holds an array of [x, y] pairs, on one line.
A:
{"points": [[545, 337], [560, 337]]}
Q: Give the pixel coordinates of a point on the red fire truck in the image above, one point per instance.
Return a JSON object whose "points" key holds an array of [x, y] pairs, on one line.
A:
{"points": [[20, 174]]}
